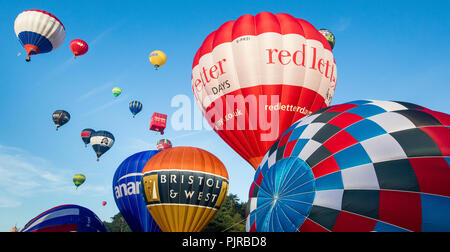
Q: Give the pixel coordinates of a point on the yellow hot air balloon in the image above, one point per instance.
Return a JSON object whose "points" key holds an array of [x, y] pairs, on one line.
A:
{"points": [[157, 58], [184, 188]]}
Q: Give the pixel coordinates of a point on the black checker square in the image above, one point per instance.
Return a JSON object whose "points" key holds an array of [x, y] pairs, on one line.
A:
{"points": [[318, 156], [397, 175], [420, 118], [326, 217], [362, 202], [325, 133], [416, 143], [326, 117]]}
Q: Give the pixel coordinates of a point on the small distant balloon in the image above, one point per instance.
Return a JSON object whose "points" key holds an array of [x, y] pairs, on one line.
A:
{"points": [[116, 91], [78, 180], [78, 47], [329, 36], [104, 203], [163, 144], [135, 107], [39, 32], [60, 117], [158, 59], [158, 123], [86, 136], [101, 142]]}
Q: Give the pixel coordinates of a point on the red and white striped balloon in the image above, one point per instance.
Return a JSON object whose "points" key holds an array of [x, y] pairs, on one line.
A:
{"points": [[253, 77]]}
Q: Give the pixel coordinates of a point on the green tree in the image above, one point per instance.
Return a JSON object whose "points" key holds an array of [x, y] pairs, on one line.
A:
{"points": [[230, 217], [118, 224]]}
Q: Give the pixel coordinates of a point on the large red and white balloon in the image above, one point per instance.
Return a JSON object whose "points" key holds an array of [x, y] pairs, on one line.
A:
{"points": [[253, 77]]}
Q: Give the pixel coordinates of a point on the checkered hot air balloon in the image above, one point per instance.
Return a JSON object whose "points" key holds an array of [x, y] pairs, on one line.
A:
{"points": [[360, 166], [39, 31]]}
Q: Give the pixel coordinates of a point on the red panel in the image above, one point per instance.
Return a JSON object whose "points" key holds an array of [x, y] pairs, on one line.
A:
{"points": [[284, 139], [59, 228], [348, 222], [245, 25], [325, 167], [341, 107], [310, 226], [345, 119], [289, 24], [340, 141], [442, 117], [289, 148], [401, 209], [433, 174], [267, 22], [441, 135]]}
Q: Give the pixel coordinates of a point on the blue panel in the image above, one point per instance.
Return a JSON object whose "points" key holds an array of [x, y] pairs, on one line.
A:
{"points": [[299, 147], [32, 38], [448, 160], [384, 227], [367, 110], [285, 197], [331, 181], [359, 102], [364, 130], [352, 156], [297, 132], [435, 213]]}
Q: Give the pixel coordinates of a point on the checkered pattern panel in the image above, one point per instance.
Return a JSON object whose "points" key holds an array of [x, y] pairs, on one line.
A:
{"points": [[377, 166]]}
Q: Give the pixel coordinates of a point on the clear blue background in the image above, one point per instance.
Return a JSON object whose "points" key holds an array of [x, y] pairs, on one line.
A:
{"points": [[387, 50]]}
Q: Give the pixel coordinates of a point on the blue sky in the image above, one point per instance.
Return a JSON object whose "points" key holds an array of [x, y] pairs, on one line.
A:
{"points": [[387, 50]]}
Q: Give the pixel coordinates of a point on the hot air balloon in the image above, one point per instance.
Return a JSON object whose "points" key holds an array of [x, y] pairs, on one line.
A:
{"points": [[127, 193], [66, 218], [360, 166], [78, 47], [104, 203], [158, 59], [116, 91], [163, 144], [329, 36], [101, 142], [183, 188], [60, 117], [158, 122], [39, 31], [135, 107], [253, 77], [78, 180], [86, 136]]}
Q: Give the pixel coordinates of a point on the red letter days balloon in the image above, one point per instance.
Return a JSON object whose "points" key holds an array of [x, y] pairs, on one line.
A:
{"points": [[253, 77], [183, 188], [78, 47], [357, 167]]}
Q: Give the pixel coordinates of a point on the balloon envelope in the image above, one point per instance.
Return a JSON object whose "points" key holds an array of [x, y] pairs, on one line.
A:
{"points": [[253, 77], [360, 166], [116, 91], [163, 144], [60, 117], [39, 31], [183, 188], [78, 47], [79, 179], [101, 142], [66, 218], [86, 135], [135, 107], [157, 58], [127, 193]]}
